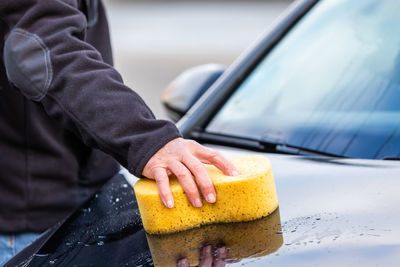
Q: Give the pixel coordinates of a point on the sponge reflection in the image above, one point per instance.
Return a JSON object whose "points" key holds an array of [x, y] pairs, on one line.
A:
{"points": [[242, 240]]}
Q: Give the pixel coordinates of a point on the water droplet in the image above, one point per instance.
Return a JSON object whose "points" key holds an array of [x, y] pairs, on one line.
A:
{"points": [[125, 185], [52, 262], [100, 243], [117, 200]]}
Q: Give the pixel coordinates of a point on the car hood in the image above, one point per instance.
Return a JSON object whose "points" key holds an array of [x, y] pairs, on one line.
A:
{"points": [[334, 211]]}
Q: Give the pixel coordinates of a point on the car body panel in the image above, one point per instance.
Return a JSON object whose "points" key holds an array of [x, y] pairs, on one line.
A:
{"points": [[332, 212], [105, 231]]}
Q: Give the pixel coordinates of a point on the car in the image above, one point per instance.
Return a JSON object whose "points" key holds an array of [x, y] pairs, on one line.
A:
{"points": [[319, 95]]}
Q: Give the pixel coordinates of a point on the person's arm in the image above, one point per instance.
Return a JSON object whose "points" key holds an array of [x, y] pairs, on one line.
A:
{"points": [[47, 59]]}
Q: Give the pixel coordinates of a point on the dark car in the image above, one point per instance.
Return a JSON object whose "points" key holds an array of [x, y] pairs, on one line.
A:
{"points": [[319, 95]]}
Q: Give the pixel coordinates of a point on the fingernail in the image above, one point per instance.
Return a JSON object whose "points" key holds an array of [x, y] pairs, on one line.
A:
{"points": [[211, 198], [170, 203], [198, 203], [235, 173], [183, 262], [208, 249], [221, 252]]}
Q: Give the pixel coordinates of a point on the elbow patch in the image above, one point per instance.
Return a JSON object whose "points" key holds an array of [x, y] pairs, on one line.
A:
{"points": [[28, 64]]}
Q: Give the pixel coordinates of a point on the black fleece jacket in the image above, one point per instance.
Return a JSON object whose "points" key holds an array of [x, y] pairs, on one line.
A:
{"points": [[61, 104]]}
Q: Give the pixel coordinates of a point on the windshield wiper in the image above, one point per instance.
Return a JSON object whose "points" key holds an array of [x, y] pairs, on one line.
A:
{"points": [[257, 145], [391, 158], [293, 150], [228, 140]]}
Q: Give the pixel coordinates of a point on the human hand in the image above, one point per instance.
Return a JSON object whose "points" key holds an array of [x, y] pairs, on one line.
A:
{"points": [[207, 259], [183, 158]]}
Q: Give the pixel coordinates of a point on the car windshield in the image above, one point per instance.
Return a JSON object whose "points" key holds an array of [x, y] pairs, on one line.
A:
{"points": [[332, 84]]}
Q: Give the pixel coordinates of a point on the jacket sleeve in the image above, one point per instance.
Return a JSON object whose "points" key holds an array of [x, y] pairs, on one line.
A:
{"points": [[47, 59]]}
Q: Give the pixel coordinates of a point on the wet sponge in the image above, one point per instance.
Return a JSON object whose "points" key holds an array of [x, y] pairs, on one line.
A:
{"points": [[249, 196]]}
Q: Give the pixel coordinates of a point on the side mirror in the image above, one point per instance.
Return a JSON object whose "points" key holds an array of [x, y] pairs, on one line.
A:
{"points": [[188, 87]]}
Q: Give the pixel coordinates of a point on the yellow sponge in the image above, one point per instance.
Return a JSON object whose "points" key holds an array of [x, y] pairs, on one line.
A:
{"points": [[243, 240], [249, 196]]}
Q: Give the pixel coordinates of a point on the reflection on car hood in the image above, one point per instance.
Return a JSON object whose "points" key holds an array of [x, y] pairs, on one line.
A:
{"points": [[332, 212]]}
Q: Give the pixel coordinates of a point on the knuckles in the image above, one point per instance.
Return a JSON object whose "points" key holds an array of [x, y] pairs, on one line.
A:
{"points": [[192, 192], [199, 170], [207, 186], [182, 174]]}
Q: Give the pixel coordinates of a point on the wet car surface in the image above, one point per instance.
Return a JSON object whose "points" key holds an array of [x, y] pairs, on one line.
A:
{"points": [[106, 231], [331, 211]]}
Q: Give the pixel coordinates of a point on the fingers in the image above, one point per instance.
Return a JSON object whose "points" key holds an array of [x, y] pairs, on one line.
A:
{"points": [[206, 257], [162, 180], [185, 179], [210, 156], [202, 178], [220, 256], [183, 158], [183, 263]]}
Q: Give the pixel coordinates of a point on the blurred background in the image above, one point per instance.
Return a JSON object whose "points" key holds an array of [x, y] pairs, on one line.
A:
{"points": [[154, 41]]}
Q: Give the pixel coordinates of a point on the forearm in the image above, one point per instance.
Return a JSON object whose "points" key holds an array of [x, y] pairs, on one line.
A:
{"points": [[48, 60]]}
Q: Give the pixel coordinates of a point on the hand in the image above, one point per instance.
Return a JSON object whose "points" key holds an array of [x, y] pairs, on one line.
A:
{"points": [[207, 259], [183, 158]]}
